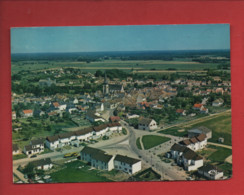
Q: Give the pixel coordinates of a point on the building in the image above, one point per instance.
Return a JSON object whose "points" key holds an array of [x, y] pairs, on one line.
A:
{"points": [[35, 147], [218, 102], [186, 157], [181, 112], [13, 115], [92, 117], [105, 85], [97, 158], [127, 164], [100, 130], [147, 124], [27, 113], [47, 82], [43, 164], [15, 149], [200, 130], [195, 143], [84, 134], [52, 142], [211, 172]]}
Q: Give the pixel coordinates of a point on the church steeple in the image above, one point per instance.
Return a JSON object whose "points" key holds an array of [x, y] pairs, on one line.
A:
{"points": [[105, 78], [105, 85]]}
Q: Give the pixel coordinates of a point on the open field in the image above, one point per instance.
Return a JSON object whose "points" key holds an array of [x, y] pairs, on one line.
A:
{"points": [[112, 64], [176, 131], [220, 154], [77, 171], [150, 141]]}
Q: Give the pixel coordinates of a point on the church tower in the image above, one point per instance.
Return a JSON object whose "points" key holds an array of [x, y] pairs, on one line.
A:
{"points": [[105, 85]]}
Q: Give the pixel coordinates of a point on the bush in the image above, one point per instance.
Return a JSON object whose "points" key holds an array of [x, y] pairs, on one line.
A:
{"points": [[124, 131]]}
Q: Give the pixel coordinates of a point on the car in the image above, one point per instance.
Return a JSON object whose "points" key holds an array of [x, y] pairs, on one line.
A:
{"points": [[72, 154], [33, 156]]}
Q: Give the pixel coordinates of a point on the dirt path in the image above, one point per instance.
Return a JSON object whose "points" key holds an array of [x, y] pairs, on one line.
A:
{"points": [[142, 145], [220, 145], [229, 159]]}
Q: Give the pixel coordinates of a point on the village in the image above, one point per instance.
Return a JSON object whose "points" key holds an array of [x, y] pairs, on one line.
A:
{"points": [[114, 120]]}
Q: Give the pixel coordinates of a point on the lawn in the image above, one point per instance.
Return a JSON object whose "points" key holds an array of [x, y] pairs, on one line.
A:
{"points": [[19, 156], [220, 155], [150, 141], [72, 173], [138, 144], [174, 131], [227, 168]]}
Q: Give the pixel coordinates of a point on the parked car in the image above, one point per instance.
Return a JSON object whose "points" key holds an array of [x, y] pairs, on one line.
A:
{"points": [[34, 156]]}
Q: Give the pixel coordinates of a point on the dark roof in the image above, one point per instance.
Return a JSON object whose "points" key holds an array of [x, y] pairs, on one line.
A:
{"points": [[201, 137], [100, 127], [97, 154], [28, 147], [84, 131], [37, 141], [91, 114], [15, 147], [115, 87], [209, 167], [177, 147], [144, 121], [41, 162], [52, 138], [191, 155], [114, 124], [126, 159], [65, 135]]}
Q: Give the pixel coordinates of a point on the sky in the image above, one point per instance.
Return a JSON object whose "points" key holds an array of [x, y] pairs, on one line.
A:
{"points": [[119, 38]]}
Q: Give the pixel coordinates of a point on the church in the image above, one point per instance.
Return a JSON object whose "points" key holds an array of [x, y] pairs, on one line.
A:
{"points": [[111, 88]]}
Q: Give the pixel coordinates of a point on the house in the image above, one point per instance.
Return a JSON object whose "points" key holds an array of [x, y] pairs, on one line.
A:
{"points": [[114, 118], [97, 158], [198, 107], [130, 116], [114, 127], [200, 130], [181, 112], [43, 164], [100, 130], [38, 113], [52, 142], [84, 134], [204, 111], [27, 113], [66, 138], [13, 115], [92, 117], [211, 172], [38, 143], [186, 157], [127, 164], [195, 143], [15, 149], [147, 124], [218, 102]]}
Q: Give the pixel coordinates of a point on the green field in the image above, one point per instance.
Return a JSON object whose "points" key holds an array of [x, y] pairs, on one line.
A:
{"points": [[72, 173], [138, 144], [126, 65], [19, 156], [174, 131], [150, 141], [220, 155]]}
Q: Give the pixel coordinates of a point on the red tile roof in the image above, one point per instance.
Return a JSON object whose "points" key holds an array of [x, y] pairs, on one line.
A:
{"points": [[197, 105], [27, 111]]}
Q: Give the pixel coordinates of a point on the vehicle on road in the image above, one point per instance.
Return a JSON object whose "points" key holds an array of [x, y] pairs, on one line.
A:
{"points": [[72, 154], [33, 156]]}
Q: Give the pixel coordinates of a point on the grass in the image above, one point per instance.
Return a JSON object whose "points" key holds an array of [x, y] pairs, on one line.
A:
{"points": [[174, 131], [227, 168], [73, 174], [150, 141], [220, 155], [147, 175], [138, 143], [19, 156]]}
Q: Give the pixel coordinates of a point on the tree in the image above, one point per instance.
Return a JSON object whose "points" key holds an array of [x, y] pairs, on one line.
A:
{"points": [[29, 170]]}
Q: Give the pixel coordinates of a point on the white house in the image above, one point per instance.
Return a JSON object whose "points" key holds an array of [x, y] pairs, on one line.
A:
{"points": [[147, 124], [15, 149], [13, 115], [127, 164], [200, 130], [115, 127], [186, 157], [100, 130], [52, 142], [36, 146], [195, 143], [66, 138], [84, 134], [218, 102], [130, 116], [43, 164], [98, 158], [93, 118], [211, 172]]}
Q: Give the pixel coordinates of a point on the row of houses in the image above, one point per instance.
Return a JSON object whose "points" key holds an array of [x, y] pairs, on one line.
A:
{"points": [[76, 137], [101, 160]]}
